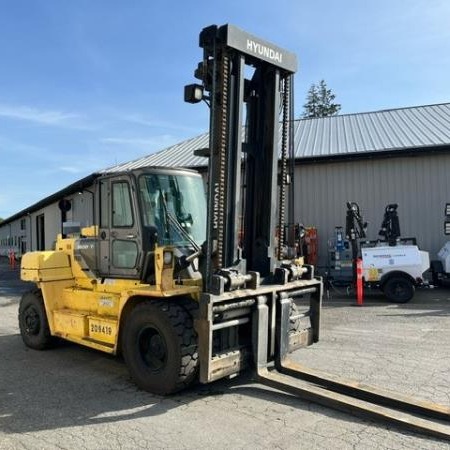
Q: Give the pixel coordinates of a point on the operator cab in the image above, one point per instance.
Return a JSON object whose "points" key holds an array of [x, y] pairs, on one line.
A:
{"points": [[139, 210]]}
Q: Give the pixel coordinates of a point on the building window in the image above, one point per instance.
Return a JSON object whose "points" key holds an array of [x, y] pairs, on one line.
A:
{"points": [[23, 224], [23, 246], [40, 232]]}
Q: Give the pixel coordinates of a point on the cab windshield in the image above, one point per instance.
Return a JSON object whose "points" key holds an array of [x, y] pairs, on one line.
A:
{"points": [[174, 201]]}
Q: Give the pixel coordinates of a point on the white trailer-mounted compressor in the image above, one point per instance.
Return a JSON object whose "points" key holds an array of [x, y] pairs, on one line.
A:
{"points": [[393, 264]]}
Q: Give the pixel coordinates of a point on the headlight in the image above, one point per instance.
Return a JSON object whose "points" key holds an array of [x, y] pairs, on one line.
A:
{"points": [[167, 258]]}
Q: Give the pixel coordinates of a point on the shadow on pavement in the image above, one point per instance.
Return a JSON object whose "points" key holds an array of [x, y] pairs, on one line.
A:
{"points": [[75, 386], [10, 282]]}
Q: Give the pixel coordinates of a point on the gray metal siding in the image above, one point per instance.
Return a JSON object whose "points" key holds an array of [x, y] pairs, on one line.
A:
{"points": [[420, 185]]}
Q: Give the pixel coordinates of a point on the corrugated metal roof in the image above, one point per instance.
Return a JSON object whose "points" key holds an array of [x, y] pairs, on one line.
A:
{"points": [[178, 155], [395, 129], [348, 134]]}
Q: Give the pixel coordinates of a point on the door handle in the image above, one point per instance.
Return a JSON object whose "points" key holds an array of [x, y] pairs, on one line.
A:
{"points": [[131, 236]]}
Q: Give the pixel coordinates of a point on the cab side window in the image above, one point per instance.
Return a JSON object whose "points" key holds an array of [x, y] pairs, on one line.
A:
{"points": [[124, 251], [122, 213]]}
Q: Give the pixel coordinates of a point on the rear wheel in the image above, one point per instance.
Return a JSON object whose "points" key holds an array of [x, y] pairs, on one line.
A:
{"points": [[160, 347], [399, 289], [436, 269], [33, 322]]}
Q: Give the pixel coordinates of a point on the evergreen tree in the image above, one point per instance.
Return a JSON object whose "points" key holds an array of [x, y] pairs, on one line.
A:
{"points": [[320, 101]]}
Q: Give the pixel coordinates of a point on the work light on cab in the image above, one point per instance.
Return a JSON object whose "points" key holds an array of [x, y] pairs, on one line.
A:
{"points": [[193, 93], [167, 258]]}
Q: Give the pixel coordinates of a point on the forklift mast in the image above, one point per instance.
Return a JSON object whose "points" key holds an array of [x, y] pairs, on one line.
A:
{"points": [[249, 203]]}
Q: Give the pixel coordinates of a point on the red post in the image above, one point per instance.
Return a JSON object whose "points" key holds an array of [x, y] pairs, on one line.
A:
{"points": [[12, 258], [359, 282]]}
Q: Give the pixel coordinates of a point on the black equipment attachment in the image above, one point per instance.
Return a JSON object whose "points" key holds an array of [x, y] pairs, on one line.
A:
{"points": [[355, 228], [390, 227]]}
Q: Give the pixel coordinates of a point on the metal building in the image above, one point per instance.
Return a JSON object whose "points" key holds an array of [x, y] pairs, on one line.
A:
{"points": [[393, 156]]}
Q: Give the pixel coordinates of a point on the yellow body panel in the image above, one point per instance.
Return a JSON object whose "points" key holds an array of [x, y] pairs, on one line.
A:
{"points": [[163, 272], [85, 309], [45, 266], [69, 323], [91, 231]]}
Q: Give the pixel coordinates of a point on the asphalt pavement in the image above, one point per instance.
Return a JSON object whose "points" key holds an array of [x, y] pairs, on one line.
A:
{"points": [[76, 398]]}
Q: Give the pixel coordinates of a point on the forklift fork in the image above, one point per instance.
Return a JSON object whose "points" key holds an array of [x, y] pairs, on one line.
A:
{"points": [[348, 396]]}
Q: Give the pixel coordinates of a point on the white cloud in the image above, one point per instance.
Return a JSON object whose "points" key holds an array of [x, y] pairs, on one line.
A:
{"points": [[44, 117], [141, 120], [35, 115], [158, 141], [72, 169]]}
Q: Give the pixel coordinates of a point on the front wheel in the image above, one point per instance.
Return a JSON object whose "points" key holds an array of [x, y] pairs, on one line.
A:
{"points": [[33, 322], [160, 347], [399, 289]]}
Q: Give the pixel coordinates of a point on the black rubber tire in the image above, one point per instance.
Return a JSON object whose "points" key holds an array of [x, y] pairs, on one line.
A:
{"points": [[435, 279], [399, 289], [159, 346], [33, 323]]}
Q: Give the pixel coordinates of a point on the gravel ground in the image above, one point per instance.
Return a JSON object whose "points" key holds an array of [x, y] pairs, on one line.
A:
{"points": [[76, 398]]}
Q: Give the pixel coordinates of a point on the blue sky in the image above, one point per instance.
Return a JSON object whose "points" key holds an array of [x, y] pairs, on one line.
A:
{"points": [[88, 84]]}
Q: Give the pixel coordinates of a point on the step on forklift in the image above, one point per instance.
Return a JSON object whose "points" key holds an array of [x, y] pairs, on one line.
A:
{"points": [[189, 288]]}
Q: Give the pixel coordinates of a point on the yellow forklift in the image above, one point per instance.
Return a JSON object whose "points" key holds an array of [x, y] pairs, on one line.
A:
{"points": [[171, 277], [190, 286]]}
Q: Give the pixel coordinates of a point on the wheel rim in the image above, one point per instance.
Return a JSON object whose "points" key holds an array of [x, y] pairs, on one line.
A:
{"points": [[399, 290], [152, 349], [32, 321]]}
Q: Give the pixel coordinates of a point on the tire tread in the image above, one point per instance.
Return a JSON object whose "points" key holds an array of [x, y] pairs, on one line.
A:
{"points": [[181, 320]]}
